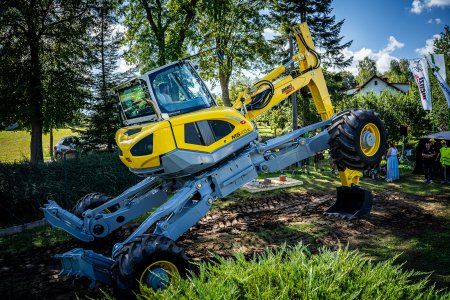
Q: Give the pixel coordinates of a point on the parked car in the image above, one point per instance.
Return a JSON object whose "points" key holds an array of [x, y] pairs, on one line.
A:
{"points": [[68, 145], [77, 145]]}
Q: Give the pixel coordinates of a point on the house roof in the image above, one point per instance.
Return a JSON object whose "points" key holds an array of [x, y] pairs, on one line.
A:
{"points": [[357, 89]]}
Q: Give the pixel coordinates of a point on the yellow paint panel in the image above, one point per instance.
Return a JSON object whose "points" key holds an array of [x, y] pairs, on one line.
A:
{"points": [[241, 127], [163, 142]]}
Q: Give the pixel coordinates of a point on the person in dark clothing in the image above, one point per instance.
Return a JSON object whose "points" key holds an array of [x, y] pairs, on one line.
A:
{"points": [[428, 156]]}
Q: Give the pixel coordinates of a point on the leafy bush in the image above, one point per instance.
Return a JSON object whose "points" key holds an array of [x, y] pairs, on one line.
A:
{"points": [[293, 273], [25, 187]]}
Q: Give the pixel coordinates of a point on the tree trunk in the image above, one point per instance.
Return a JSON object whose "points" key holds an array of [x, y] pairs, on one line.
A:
{"points": [[293, 95], [36, 135], [36, 100], [51, 143], [224, 83]]}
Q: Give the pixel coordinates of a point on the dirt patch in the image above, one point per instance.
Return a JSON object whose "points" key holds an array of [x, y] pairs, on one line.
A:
{"points": [[249, 227]]}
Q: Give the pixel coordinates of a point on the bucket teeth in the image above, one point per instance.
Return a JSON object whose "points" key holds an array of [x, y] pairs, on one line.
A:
{"points": [[351, 203]]}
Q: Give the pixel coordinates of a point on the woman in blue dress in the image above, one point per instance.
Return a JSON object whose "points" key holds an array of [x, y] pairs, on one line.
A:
{"points": [[392, 172]]}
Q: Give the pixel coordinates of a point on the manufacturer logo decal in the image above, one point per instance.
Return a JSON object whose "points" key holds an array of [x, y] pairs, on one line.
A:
{"points": [[287, 89], [239, 134]]}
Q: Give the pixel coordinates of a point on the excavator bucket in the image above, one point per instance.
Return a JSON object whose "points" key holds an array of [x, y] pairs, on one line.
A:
{"points": [[352, 203]]}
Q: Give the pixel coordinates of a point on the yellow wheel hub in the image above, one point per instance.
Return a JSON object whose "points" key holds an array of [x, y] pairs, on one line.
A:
{"points": [[370, 139], [158, 275]]}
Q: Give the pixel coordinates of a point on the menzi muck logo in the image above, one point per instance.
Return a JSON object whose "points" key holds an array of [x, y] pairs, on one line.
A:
{"points": [[421, 84], [287, 89]]}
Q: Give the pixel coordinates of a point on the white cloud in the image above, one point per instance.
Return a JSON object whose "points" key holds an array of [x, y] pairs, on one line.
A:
{"points": [[418, 6], [429, 45], [382, 57], [269, 34], [119, 28], [122, 65], [437, 21], [393, 45]]}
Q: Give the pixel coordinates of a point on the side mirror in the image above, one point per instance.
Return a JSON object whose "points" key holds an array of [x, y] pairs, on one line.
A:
{"points": [[220, 56]]}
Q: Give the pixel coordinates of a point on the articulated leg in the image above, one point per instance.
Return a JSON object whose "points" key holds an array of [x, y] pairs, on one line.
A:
{"points": [[181, 211], [349, 177], [96, 222]]}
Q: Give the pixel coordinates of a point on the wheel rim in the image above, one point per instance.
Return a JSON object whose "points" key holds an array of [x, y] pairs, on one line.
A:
{"points": [[158, 275], [370, 139]]}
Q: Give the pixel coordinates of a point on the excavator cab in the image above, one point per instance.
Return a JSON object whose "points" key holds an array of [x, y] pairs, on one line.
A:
{"points": [[171, 90]]}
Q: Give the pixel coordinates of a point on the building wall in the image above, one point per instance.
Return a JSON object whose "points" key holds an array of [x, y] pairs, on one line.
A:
{"points": [[404, 87], [377, 86]]}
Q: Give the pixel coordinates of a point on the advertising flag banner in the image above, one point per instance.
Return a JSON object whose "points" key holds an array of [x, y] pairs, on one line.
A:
{"points": [[437, 64], [419, 69]]}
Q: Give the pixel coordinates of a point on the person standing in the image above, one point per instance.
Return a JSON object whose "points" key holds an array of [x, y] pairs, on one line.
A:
{"points": [[445, 161], [428, 155], [318, 161], [392, 172], [436, 164]]}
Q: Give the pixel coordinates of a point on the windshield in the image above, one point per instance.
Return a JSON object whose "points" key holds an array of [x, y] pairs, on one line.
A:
{"points": [[179, 89], [134, 103]]}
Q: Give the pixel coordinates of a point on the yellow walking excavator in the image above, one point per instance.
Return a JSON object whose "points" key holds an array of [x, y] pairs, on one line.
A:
{"points": [[192, 152]]}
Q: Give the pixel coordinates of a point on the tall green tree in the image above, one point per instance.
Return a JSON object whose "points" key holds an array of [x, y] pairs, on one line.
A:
{"points": [[235, 28], [442, 46], [157, 30], [338, 83], [326, 31], [366, 69], [441, 112], [398, 71], [104, 119], [42, 60]]}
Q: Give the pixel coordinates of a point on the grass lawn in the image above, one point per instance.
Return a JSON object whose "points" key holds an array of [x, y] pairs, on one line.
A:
{"points": [[15, 145]]}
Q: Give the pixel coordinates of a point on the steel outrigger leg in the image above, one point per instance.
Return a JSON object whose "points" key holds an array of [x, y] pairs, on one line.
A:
{"points": [[185, 208]]}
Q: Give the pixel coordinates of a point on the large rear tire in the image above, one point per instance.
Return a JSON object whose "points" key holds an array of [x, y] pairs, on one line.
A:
{"points": [[357, 139], [151, 260], [91, 201]]}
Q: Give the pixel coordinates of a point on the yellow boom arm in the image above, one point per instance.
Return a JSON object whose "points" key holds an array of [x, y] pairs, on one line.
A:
{"points": [[308, 75], [274, 87]]}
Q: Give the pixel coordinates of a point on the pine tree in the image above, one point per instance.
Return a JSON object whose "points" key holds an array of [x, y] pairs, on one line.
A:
{"points": [[104, 117], [322, 24]]}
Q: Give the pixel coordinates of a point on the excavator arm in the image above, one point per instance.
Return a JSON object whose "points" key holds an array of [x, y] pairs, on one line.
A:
{"points": [[284, 81], [277, 86]]}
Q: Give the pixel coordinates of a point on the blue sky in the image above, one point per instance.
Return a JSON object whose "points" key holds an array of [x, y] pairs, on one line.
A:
{"points": [[386, 30]]}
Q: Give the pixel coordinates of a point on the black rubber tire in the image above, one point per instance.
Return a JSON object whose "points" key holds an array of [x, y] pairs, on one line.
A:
{"points": [[91, 201], [345, 138], [136, 256]]}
